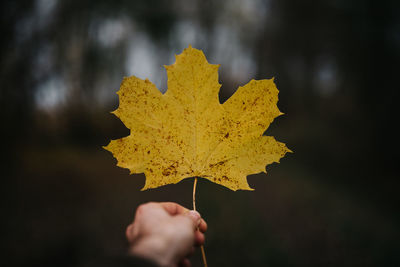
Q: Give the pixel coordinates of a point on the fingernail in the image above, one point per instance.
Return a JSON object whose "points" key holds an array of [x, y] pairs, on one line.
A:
{"points": [[195, 216]]}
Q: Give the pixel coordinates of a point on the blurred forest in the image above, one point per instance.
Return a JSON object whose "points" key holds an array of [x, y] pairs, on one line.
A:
{"points": [[334, 202]]}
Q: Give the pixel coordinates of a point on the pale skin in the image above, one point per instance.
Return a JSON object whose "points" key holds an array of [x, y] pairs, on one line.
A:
{"points": [[165, 233]]}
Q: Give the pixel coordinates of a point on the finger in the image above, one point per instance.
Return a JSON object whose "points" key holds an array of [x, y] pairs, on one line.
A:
{"points": [[194, 217], [191, 252], [199, 238], [203, 226], [173, 208], [185, 263]]}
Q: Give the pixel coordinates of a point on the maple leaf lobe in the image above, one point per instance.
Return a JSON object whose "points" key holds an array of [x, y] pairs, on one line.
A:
{"points": [[187, 132]]}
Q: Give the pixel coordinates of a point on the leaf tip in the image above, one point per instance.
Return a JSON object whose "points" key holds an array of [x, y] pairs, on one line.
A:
{"points": [[215, 66], [248, 188], [145, 187]]}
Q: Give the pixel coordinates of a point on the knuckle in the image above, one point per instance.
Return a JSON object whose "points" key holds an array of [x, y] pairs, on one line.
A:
{"points": [[129, 232], [141, 208]]}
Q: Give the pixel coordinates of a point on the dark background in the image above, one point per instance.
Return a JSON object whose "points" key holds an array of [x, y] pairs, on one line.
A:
{"points": [[334, 202]]}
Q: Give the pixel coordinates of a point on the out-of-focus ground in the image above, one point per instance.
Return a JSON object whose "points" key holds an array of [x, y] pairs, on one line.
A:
{"points": [[333, 202]]}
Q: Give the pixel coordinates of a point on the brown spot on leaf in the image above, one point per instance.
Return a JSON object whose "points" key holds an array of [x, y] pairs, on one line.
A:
{"points": [[166, 172], [217, 164]]}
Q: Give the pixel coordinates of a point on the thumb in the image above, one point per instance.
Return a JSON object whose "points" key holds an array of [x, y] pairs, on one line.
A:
{"points": [[194, 217]]}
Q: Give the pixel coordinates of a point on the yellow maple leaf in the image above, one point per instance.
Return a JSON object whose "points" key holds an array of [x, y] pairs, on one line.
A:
{"points": [[186, 132]]}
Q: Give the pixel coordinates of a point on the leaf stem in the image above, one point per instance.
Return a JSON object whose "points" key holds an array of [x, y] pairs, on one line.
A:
{"points": [[203, 253]]}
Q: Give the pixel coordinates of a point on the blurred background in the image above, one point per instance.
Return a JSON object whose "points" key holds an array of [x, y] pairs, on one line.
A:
{"points": [[334, 202]]}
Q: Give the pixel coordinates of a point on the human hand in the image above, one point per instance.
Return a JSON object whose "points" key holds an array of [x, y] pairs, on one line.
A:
{"points": [[165, 233]]}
